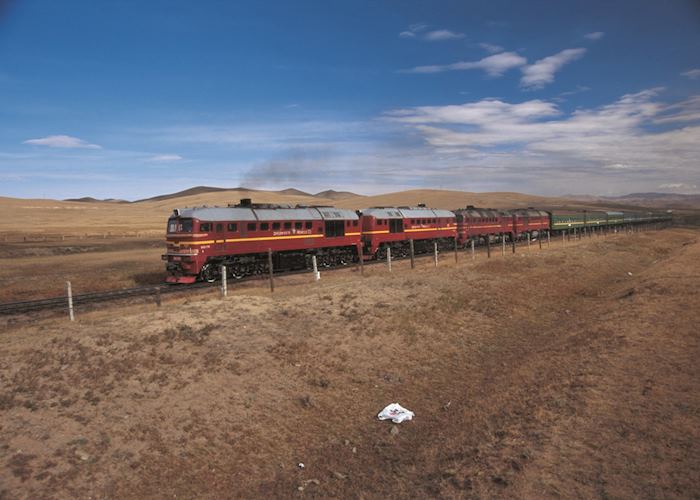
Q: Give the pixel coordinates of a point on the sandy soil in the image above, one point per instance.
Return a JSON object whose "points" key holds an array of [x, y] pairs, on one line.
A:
{"points": [[562, 373]]}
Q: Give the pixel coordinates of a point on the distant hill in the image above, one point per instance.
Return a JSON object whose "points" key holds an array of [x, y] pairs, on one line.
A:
{"points": [[192, 192], [331, 194], [651, 200], [294, 192], [89, 199]]}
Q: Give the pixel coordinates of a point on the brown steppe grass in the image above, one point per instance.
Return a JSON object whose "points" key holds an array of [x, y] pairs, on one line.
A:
{"points": [[566, 372]]}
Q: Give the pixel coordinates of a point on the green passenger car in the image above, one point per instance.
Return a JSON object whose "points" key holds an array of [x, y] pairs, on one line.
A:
{"points": [[566, 220], [615, 218], [596, 219]]}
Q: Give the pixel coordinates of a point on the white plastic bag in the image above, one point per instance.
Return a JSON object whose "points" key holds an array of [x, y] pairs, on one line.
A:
{"points": [[396, 413]]}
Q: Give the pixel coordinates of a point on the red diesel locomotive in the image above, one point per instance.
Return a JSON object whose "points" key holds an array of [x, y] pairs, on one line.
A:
{"points": [[477, 223], [391, 227], [201, 240]]}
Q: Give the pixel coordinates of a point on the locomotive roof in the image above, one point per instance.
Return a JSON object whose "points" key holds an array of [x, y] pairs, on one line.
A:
{"points": [[529, 211], [405, 212], [263, 214], [479, 212]]}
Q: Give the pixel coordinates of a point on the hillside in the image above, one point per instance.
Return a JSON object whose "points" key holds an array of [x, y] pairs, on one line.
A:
{"points": [[54, 217]]}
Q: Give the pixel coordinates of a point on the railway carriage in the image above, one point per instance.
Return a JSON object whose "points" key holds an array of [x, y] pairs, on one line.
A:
{"points": [[566, 220], [394, 227], [529, 221], [201, 240], [479, 223], [615, 218]]}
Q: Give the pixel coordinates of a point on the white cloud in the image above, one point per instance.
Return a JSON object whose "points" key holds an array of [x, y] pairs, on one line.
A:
{"points": [[491, 48], [596, 35], [494, 65], [165, 158], [413, 30], [678, 186], [440, 35], [693, 74], [537, 75], [616, 140], [62, 141], [418, 31]]}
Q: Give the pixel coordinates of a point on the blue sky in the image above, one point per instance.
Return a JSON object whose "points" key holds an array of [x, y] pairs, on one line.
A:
{"points": [[131, 99]]}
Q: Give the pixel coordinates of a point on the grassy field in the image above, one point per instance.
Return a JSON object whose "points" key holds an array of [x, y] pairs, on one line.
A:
{"points": [[566, 372]]}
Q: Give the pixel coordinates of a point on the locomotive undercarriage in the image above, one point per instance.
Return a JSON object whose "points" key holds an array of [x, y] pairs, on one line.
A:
{"points": [[240, 266], [402, 249]]}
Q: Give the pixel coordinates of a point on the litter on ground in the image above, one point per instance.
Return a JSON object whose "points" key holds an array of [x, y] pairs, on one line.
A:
{"points": [[396, 413]]}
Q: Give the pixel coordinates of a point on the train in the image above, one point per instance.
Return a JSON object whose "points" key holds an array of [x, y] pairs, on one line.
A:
{"points": [[247, 237]]}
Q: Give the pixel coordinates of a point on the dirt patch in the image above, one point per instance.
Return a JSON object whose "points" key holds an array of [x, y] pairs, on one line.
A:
{"points": [[535, 375]]}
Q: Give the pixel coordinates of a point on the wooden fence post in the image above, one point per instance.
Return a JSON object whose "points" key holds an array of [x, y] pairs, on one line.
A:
{"points": [[528, 242], [513, 242], [488, 246], [549, 238], [539, 240], [503, 244], [473, 253], [269, 265], [69, 291], [388, 257], [435, 251], [361, 258], [413, 258], [456, 256]]}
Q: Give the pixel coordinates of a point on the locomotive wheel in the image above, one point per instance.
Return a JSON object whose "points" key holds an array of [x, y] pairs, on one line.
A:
{"points": [[208, 273], [237, 273]]}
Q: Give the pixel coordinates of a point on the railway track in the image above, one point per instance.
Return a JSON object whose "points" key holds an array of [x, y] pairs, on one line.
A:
{"points": [[9, 308]]}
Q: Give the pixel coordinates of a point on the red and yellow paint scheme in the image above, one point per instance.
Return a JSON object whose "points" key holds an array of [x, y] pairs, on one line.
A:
{"points": [[529, 220], [395, 227], [475, 223], [200, 240]]}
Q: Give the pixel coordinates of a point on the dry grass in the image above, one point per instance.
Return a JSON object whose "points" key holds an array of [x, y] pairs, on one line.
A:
{"points": [[531, 376]]}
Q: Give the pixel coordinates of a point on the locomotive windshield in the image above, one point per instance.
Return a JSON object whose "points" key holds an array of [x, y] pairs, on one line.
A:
{"points": [[176, 225]]}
